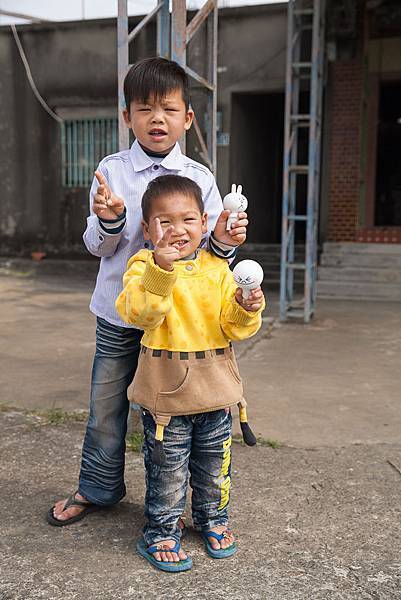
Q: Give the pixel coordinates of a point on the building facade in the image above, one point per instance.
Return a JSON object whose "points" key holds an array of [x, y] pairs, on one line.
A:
{"points": [[45, 168]]}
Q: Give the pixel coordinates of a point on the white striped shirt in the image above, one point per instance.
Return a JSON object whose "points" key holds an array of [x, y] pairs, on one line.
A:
{"points": [[128, 174]]}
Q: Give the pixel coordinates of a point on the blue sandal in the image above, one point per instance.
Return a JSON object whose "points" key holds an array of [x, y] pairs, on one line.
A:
{"points": [[221, 552], [148, 552]]}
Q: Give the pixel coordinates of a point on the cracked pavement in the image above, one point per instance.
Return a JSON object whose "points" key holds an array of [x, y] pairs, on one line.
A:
{"points": [[318, 518]]}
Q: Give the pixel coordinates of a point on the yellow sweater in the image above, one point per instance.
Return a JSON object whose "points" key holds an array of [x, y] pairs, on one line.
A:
{"points": [[189, 309]]}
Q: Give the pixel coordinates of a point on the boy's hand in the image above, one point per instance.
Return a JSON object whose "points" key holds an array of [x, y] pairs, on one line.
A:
{"points": [[106, 205], [253, 303], [165, 255], [236, 235]]}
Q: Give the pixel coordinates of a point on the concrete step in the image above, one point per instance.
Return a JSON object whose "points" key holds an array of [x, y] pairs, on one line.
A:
{"points": [[268, 256], [390, 292], [353, 259], [359, 274], [266, 247], [271, 250], [356, 248], [269, 261]]}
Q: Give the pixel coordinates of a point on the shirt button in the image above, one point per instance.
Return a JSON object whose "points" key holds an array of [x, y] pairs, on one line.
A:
{"points": [[155, 167], [101, 238], [189, 267]]}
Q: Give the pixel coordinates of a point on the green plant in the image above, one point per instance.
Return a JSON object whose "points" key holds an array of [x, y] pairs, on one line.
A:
{"points": [[57, 416], [259, 441], [134, 442]]}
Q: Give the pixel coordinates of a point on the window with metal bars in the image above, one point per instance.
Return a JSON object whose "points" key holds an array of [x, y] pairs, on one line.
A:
{"points": [[84, 143]]}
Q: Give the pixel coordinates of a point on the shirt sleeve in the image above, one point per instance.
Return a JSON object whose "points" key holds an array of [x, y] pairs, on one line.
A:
{"points": [[236, 322], [213, 207], [146, 297], [99, 240]]}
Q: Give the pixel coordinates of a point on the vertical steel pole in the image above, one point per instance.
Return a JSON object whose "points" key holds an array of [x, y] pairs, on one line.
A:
{"points": [[163, 29], [122, 68], [178, 40], [211, 136], [178, 32], [312, 195], [286, 164], [294, 131], [319, 119]]}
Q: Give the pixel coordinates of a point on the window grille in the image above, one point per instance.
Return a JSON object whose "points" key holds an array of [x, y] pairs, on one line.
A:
{"points": [[84, 143]]}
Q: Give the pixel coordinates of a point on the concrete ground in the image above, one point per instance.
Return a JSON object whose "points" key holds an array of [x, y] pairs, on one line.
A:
{"points": [[317, 518]]}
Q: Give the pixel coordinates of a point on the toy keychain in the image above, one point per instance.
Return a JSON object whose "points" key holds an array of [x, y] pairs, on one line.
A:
{"points": [[235, 202], [248, 275]]}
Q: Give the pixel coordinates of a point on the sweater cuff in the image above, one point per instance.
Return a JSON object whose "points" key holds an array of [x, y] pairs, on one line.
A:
{"points": [[157, 280], [240, 316], [222, 250], [116, 220]]}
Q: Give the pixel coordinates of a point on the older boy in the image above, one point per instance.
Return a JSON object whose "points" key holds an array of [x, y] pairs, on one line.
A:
{"points": [[158, 112], [186, 301]]}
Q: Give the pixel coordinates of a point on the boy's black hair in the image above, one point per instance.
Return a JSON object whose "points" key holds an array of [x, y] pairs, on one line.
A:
{"points": [[170, 184], [155, 77]]}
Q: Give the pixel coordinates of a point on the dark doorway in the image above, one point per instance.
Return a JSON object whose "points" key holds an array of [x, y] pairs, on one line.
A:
{"points": [[388, 172], [256, 161]]}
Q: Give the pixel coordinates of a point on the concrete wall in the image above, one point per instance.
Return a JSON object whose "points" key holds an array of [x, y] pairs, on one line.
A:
{"points": [[252, 60], [74, 66]]}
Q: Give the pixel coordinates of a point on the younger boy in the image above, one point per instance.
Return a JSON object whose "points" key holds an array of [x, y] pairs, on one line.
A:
{"points": [[186, 301], [158, 112]]}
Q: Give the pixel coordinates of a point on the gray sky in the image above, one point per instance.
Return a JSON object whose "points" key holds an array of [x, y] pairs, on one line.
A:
{"points": [[60, 10]]}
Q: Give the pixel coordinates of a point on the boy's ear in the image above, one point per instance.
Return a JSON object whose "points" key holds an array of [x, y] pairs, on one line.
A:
{"points": [[145, 230], [189, 117], [127, 118], [204, 223]]}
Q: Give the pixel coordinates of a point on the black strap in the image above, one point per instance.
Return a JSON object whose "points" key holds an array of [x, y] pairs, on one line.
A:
{"points": [[72, 501]]}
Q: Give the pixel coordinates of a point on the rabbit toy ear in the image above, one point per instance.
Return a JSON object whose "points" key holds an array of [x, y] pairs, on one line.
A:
{"points": [[233, 189], [239, 190]]}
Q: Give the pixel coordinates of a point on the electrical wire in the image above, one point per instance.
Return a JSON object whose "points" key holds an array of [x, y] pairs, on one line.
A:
{"points": [[30, 78]]}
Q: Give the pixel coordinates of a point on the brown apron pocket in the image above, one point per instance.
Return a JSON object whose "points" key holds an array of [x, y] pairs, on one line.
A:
{"points": [[154, 374], [207, 386]]}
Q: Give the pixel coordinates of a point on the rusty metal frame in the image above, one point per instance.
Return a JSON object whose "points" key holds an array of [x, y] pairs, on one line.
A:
{"points": [[302, 16], [173, 37]]}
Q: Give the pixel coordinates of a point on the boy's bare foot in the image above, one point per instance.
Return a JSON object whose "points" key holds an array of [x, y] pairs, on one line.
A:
{"points": [[72, 511], [164, 555], [226, 542]]}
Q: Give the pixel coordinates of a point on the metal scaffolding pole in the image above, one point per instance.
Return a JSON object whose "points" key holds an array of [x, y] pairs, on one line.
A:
{"points": [[305, 63], [122, 68], [175, 46]]}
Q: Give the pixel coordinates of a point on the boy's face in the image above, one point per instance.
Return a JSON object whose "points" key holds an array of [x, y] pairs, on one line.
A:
{"points": [[182, 212], [160, 122]]}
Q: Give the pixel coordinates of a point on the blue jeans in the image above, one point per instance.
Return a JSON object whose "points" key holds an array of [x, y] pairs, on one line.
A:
{"points": [[101, 479], [198, 447]]}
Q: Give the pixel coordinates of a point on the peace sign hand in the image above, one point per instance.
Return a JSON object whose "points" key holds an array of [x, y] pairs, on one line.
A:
{"points": [[106, 204], [165, 255]]}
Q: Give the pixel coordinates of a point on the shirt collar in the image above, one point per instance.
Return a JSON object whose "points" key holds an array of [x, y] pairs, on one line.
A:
{"points": [[141, 161], [174, 161]]}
